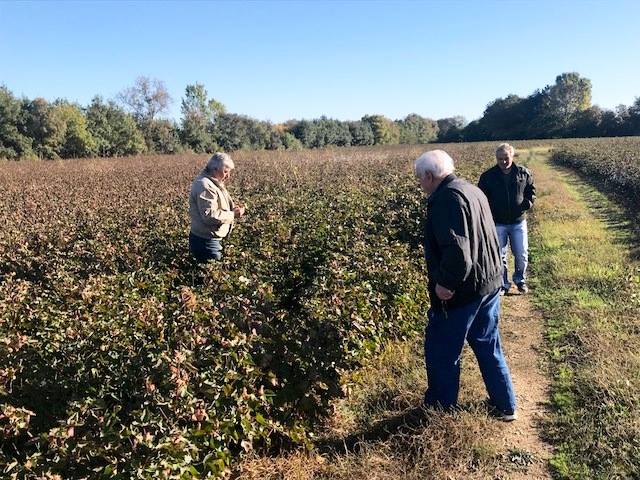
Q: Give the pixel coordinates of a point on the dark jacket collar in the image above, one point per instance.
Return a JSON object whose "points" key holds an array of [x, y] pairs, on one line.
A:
{"points": [[513, 171], [445, 181]]}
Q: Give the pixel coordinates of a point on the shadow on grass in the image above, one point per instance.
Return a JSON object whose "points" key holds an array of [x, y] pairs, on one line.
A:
{"points": [[407, 421]]}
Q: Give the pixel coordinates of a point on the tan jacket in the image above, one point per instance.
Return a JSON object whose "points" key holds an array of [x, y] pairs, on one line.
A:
{"points": [[210, 207]]}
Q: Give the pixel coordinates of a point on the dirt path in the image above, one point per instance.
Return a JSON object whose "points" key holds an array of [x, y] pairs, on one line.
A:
{"points": [[522, 331], [521, 440]]}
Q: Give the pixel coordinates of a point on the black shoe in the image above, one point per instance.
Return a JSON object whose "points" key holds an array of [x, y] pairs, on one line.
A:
{"points": [[522, 288], [506, 417], [499, 414]]}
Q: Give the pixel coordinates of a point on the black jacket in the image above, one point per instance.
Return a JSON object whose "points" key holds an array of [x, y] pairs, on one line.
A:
{"points": [[460, 243], [511, 199]]}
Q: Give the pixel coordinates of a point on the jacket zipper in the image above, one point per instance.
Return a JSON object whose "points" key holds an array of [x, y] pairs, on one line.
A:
{"points": [[506, 187]]}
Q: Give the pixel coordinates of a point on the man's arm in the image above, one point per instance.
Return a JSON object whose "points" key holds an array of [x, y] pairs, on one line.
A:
{"points": [[452, 236], [529, 193], [483, 184], [210, 211]]}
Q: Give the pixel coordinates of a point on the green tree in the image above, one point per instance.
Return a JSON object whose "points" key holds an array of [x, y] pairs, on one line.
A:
{"points": [[475, 131], [14, 143], [450, 128], [145, 100], [512, 117], [44, 127], [385, 131], [333, 132], [633, 121], [76, 139], [114, 130], [570, 95], [290, 142], [163, 136], [415, 129], [306, 132], [239, 132], [361, 133], [613, 123], [198, 118], [587, 123]]}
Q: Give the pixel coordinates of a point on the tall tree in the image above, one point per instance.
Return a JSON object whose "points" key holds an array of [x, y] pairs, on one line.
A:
{"points": [[307, 132], [14, 143], [450, 128], [198, 116], [76, 139], [570, 95], [416, 129], [361, 133], [633, 122], [385, 131], [290, 142], [331, 132], [146, 99], [43, 127], [114, 130]]}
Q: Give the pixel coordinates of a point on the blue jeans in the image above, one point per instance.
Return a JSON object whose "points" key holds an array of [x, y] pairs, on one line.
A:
{"points": [[516, 234], [446, 331], [204, 249]]}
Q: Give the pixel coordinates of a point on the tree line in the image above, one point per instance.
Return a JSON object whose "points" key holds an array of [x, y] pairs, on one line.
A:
{"points": [[561, 110], [132, 123]]}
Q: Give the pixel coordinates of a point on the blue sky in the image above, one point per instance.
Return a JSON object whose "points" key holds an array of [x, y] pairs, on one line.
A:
{"points": [[277, 60]]}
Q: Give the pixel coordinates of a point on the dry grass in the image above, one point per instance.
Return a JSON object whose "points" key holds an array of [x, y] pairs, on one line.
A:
{"points": [[380, 432]]}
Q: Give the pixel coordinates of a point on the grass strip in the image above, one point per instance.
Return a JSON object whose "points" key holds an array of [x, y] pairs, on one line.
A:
{"points": [[588, 287]]}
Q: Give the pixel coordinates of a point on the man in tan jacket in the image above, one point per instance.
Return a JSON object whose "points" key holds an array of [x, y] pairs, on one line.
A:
{"points": [[211, 209]]}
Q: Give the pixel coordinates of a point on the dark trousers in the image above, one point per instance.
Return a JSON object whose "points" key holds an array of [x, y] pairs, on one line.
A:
{"points": [[446, 331], [205, 249]]}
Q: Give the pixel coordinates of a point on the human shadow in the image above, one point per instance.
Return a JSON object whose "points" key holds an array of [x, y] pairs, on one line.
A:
{"points": [[405, 422]]}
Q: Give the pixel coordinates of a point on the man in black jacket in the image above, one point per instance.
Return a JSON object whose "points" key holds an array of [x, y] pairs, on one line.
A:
{"points": [[511, 192], [465, 276]]}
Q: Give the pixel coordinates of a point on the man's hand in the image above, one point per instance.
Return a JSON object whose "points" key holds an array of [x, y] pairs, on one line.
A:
{"points": [[443, 293], [238, 211]]}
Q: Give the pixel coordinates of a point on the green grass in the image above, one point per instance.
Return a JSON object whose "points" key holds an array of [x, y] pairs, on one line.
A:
{"points": [[586, 285]]}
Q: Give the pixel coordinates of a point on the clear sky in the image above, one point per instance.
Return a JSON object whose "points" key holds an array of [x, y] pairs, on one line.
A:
{"points": [[277, 60]]}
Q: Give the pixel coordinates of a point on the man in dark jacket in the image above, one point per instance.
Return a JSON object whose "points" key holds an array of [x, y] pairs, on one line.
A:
{"points": [[511, 192], [465, 276]]}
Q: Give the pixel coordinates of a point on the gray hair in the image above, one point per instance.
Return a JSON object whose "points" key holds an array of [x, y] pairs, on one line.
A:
{"points": [[218, 161], [506, 148], [436, 162]]}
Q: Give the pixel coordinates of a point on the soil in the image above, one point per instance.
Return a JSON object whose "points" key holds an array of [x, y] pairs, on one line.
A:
{"points": [[521, 329]]}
